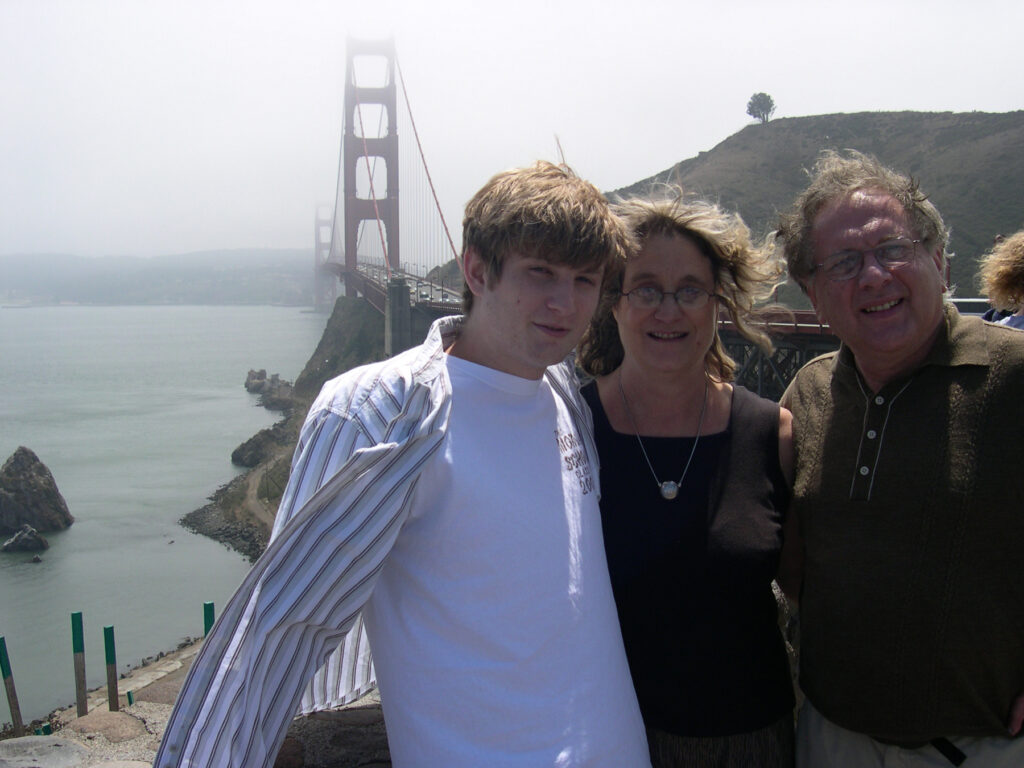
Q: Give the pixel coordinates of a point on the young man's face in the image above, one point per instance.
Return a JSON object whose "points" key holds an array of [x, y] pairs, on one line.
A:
{"points": [[532, 316]]}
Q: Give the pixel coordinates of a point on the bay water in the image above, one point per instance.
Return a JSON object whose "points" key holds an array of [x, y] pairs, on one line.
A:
{"points": [[135, 410]]}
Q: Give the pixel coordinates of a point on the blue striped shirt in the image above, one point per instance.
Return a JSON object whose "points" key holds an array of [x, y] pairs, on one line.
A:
{"points": [[295, 622]]}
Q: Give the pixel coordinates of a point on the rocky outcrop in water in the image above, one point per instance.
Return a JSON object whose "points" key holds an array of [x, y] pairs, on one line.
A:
{"points": [[275, 393], [28, 494], [28, 539]]}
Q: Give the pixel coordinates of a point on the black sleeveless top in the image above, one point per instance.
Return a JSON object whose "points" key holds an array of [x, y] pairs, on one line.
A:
{"points": [[692, 576]]}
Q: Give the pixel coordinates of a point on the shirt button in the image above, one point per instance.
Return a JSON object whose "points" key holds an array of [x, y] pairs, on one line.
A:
{"points": [[879, 400], [872, 434], [864, 470]]}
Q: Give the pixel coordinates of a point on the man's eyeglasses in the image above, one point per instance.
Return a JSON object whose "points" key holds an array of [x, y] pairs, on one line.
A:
{"points": [[649, 297], [843, 265]]}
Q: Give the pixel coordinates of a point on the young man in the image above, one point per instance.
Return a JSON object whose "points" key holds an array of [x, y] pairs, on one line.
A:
{"points": [[907, 490], [445, 501]]}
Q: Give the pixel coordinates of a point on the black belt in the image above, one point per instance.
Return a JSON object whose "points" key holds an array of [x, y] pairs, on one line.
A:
{"points": [[945, 747], [949, 750]]}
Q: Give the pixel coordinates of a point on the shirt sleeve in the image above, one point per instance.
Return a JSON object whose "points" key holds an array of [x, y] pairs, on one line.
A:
{"points": [[302, 598], [326, 441]]}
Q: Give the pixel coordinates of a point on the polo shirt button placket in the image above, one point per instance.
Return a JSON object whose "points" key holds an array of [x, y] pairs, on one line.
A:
{"points": [[868, 458]]}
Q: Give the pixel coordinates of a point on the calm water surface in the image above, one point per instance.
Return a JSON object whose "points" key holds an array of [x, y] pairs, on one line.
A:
{"points": [[135, 410]]}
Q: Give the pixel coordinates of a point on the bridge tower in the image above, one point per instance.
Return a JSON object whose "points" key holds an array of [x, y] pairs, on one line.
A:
{"points": [[359, 147]]}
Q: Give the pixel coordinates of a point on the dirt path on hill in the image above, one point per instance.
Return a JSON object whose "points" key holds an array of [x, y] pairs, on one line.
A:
{"points": [[254, 508]]}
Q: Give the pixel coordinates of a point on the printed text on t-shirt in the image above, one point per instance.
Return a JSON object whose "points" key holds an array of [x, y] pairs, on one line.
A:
{"points": [[575, 460]]}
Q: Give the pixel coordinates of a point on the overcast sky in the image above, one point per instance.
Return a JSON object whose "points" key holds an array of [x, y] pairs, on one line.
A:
{"points": [[152, 127]]}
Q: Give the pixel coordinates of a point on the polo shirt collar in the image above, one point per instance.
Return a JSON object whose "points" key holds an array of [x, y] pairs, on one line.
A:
{"points": [[961, 341]]}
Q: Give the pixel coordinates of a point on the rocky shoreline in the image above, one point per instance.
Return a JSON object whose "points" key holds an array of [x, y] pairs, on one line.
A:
{"points": [[240, 514], [214, 523]]}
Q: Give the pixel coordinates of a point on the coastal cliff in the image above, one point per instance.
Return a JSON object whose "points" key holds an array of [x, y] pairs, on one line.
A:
{"points": [[240, 514]]}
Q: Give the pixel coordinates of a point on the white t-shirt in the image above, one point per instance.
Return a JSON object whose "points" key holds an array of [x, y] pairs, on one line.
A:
{"points": [[493, 626]]}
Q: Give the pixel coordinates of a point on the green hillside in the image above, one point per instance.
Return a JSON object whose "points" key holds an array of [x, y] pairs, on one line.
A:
{"points": [[970, 164]]}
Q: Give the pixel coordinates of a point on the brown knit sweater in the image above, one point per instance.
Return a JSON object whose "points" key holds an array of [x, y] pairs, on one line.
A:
{"points": [[911, 506]]}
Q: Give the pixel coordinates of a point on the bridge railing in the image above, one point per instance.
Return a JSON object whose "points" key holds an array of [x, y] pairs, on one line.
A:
{"points": [[797, 335], [784, 322]]}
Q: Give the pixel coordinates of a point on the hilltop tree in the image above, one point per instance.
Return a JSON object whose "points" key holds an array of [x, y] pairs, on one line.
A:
{"points": [[761, 106]]}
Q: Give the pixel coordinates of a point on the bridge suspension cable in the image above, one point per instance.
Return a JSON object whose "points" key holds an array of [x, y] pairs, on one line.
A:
{"points": [[423, 159]]}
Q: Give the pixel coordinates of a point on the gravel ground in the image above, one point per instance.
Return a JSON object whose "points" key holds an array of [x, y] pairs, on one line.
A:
{"points": [[130, 734], [353, 737]]}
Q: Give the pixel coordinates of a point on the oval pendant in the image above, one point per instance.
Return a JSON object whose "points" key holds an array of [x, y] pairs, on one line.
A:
{"points": [[669, 490]]}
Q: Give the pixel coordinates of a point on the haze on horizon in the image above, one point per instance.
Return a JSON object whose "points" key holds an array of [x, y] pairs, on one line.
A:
{"points": [[146, 128]]}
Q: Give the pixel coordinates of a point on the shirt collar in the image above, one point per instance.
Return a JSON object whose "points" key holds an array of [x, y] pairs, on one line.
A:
{"points": [[430, 355], [961, 341]]}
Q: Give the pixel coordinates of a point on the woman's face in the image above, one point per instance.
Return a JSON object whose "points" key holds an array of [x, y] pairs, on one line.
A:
{"points": [[668, 337]]}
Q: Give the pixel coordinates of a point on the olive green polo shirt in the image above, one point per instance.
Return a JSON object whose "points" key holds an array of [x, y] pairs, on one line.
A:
{"points": [[911, 507]]}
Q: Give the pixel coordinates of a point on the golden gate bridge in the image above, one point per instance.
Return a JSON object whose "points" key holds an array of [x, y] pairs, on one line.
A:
{"points": [[396, 251], [375, 236]]}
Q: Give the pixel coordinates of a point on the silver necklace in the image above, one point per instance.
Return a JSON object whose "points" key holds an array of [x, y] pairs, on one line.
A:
{"points": [[669, 490]]}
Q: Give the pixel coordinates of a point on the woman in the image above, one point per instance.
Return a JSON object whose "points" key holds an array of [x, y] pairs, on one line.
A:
{"points": [[695, 475], [1002, 279]]}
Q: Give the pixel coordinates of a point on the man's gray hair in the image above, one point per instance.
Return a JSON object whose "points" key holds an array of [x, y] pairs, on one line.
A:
{"points": [[836, 176]]}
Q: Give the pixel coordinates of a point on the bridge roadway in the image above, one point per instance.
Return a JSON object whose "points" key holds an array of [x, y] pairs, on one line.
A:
{"points": [[372, 283], [409, 304], [797, 335]]}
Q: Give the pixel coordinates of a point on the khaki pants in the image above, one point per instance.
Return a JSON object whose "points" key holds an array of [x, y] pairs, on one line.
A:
{"points": [[820, 743]]}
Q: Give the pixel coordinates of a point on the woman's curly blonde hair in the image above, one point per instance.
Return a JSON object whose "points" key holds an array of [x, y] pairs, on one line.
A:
{"points": [[1002, 273], [744, 276]]}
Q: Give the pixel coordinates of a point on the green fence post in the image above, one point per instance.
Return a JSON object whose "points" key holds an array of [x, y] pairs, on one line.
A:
{"points": [[207, 618], [108, 644], [78, 648], [12, 694]]}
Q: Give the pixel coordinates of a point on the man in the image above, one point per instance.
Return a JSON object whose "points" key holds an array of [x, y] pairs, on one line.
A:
{"points": [[447, 498], [908, 491]]}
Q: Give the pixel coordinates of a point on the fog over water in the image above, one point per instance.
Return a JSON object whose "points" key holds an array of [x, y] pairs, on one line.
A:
{"points": [[170, 126]]}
